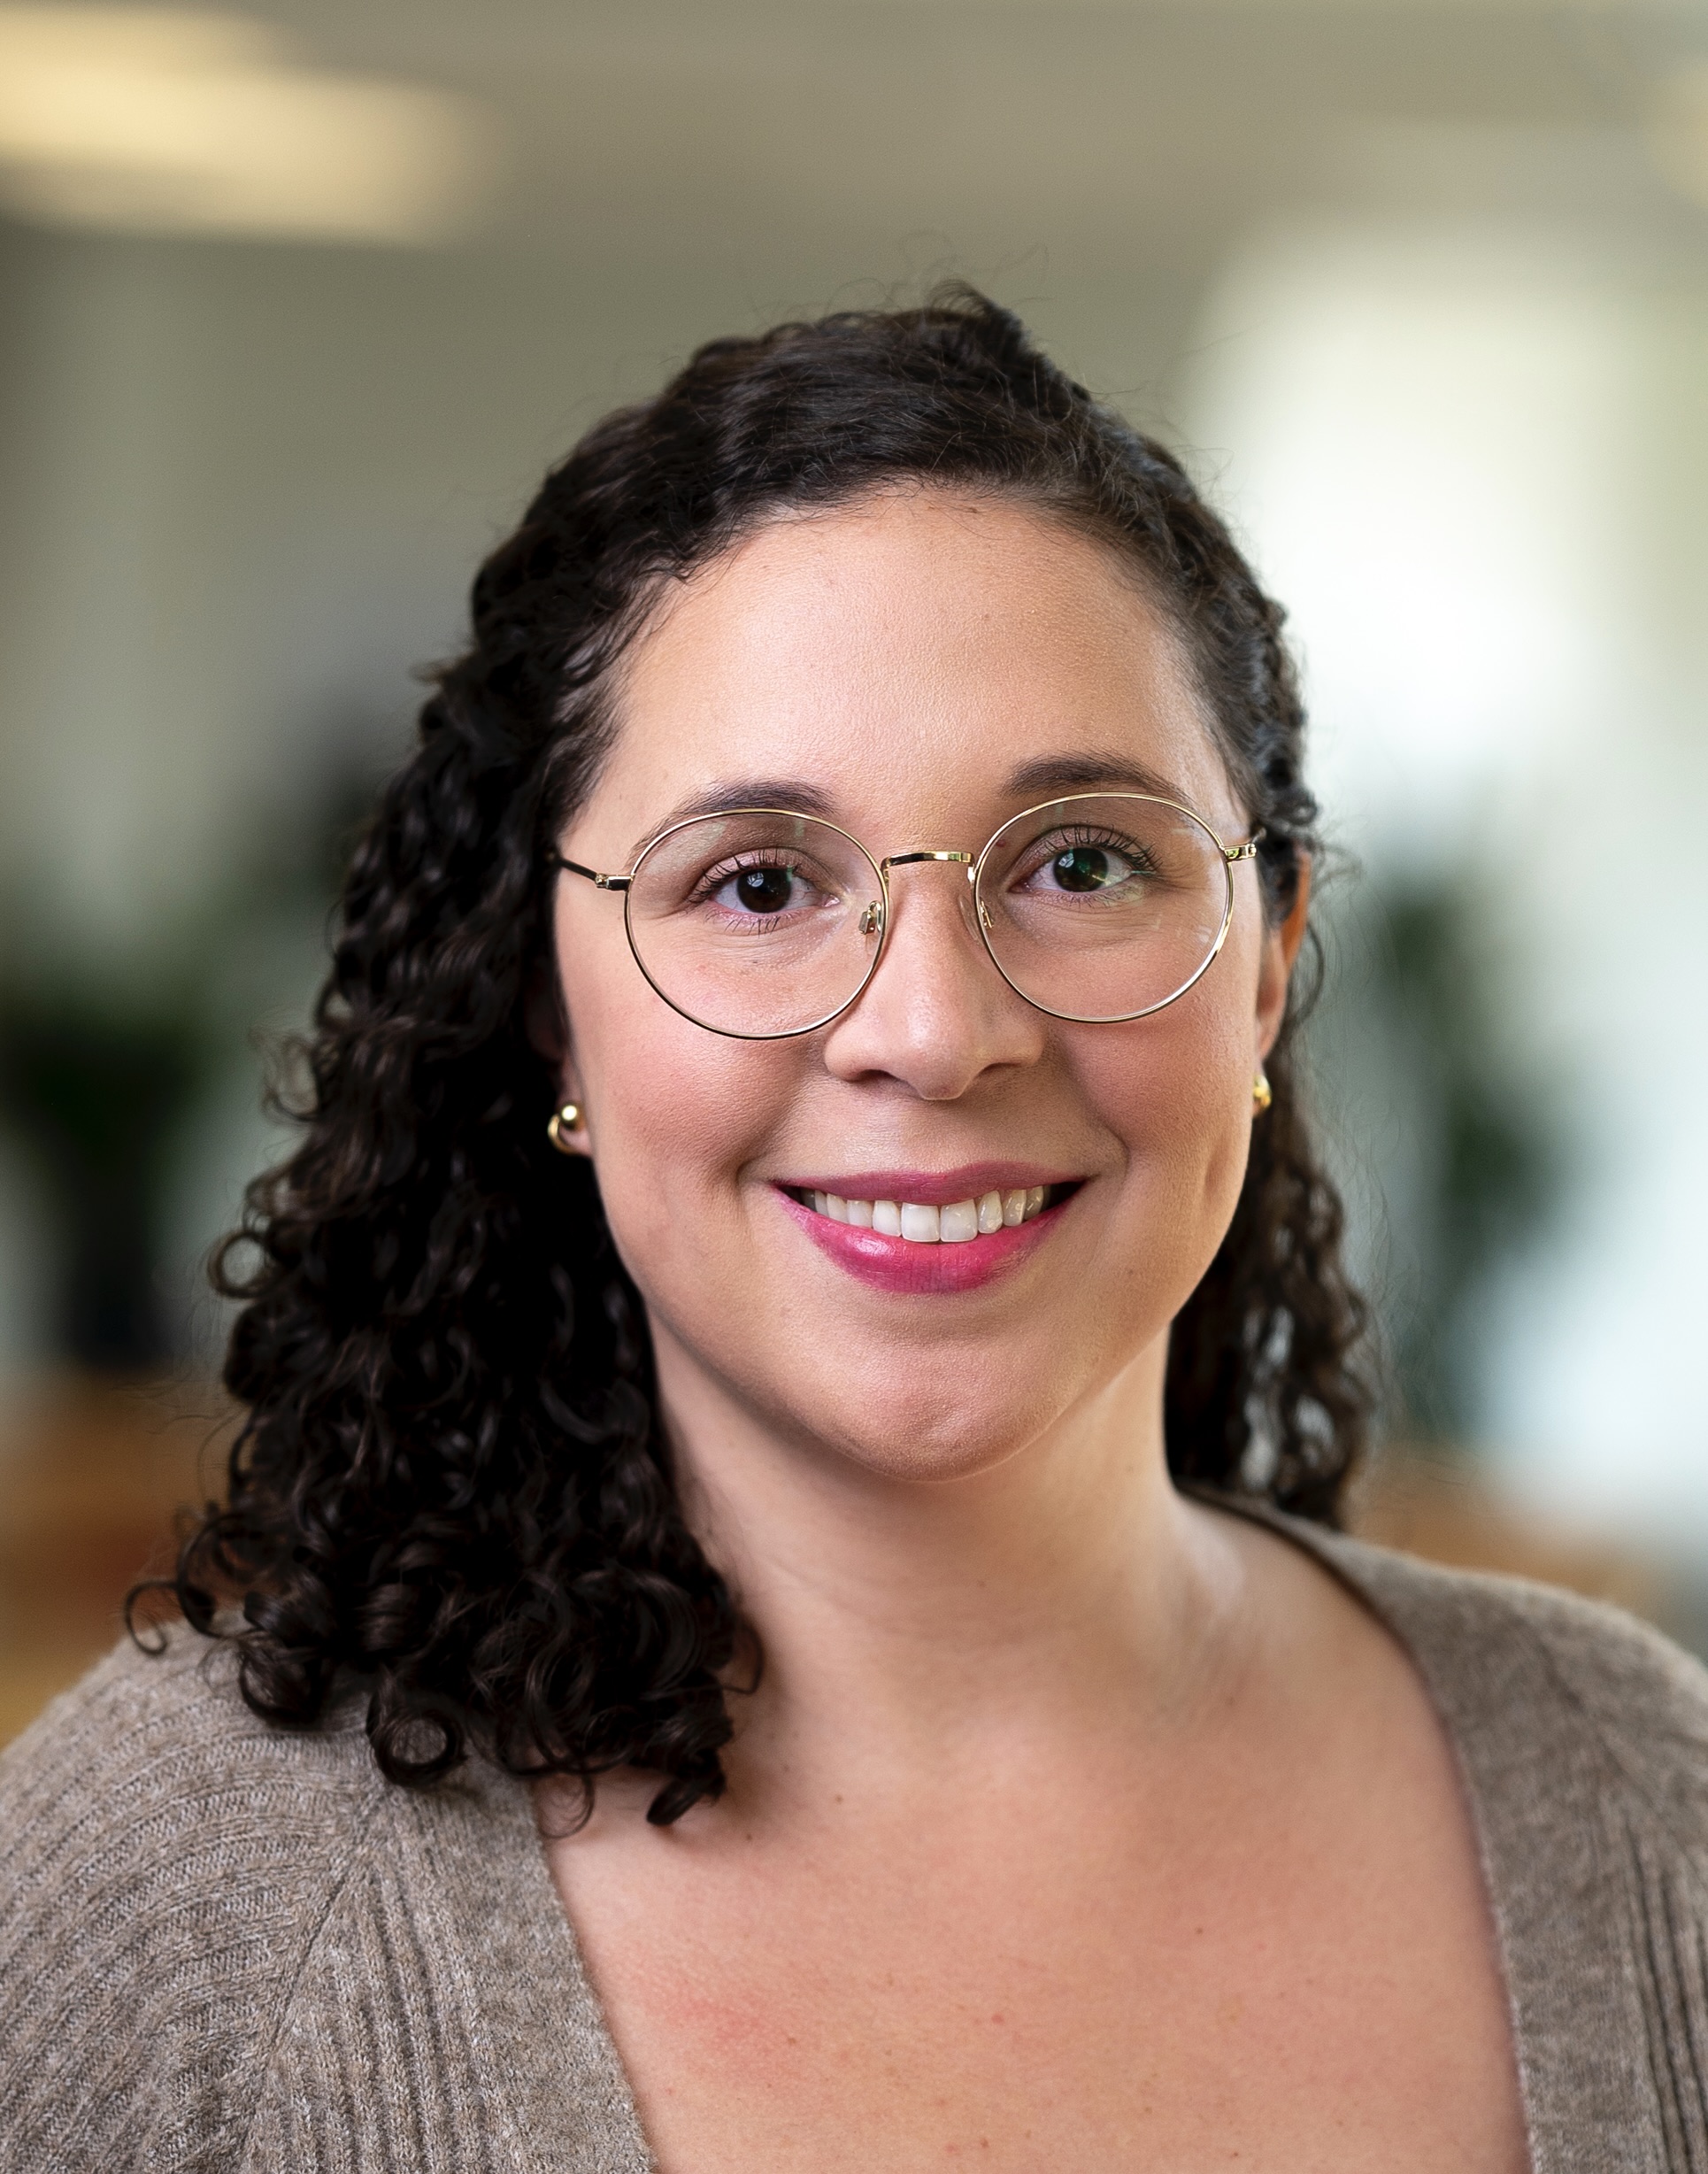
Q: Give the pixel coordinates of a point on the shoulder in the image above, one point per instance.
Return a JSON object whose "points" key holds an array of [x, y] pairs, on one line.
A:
{"points": [[152, 1775], [1549, 1673], [168, 1859]]}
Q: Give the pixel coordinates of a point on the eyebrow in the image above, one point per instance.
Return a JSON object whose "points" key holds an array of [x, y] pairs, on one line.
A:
{"points": [[1088, 773], [795, 794]]}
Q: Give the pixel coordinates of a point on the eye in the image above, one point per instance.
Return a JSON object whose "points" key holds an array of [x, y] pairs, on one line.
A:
{"points": [[1088, 868], [1082, 867], [761, 889]]}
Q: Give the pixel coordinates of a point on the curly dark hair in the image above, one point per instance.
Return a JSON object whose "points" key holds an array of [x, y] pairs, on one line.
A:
{"points": [[452, 1488]]}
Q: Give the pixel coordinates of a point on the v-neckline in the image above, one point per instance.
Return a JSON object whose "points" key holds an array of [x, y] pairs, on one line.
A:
{"points": [[1500, 1702]]}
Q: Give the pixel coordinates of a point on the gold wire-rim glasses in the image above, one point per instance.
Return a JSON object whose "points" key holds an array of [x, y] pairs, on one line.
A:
{"points": [[1230, 856]]}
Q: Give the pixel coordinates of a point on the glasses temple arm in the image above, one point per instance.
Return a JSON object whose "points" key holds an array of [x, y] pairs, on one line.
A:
{"points": [[604, 883], [1248, 851]]}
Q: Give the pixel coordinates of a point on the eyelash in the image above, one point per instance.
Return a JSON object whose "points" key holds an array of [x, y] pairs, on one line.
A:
{"points": [[714, 879], [1065, 841]]}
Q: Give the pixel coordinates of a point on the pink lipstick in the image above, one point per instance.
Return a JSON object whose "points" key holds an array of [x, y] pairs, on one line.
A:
{"points": [[923, 1232]]}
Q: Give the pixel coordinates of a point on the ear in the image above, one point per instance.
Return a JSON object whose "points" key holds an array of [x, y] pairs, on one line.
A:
{"points": [[1280, 948], [568, 1142], [547, 1033]]}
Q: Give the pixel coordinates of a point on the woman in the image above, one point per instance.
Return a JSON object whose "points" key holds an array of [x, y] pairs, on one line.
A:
{"points": [[828, 1647]]}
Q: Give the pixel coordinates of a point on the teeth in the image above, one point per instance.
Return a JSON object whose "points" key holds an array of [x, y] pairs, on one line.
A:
{"points": [[953, 1225], [958, 1221]]}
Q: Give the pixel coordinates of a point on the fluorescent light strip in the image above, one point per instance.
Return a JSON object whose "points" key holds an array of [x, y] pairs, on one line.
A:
{"points": [[165, 122]]}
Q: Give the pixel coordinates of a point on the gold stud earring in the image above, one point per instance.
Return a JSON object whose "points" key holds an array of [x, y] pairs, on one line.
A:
{"points": [[1262, 1094], [564, 1120]]}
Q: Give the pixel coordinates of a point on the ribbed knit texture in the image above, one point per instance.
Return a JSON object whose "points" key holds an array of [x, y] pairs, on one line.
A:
{"points": [[225, 1947], [1582, 1738]]}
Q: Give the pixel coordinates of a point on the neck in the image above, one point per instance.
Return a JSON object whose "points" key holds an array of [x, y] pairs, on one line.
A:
{"points": [[905, 1623]]}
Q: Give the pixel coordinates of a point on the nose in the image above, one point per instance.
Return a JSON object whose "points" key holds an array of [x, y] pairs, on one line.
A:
{"points": [[936, 1015]]}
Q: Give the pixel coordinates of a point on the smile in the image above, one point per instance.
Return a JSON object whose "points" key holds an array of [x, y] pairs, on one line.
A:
{"points": [[922, 1233], [921, 1223]]}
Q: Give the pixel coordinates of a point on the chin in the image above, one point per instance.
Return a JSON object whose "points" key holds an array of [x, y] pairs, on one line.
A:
{"points": [[936, 1448], [961, 1420]]}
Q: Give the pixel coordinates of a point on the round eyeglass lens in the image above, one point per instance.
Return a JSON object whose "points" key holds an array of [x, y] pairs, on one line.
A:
{"points": [[755, 923], [1105, 905]]}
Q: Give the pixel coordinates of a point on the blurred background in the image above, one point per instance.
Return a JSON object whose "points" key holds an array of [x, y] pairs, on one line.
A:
{"points": [[297, 301]]}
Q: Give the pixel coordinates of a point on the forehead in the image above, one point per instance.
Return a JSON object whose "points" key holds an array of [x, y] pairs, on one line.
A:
{"points": [[907, 656]]}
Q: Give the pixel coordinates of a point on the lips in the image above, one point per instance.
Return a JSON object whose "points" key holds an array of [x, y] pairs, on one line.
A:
{"points": [[916, 1231]]}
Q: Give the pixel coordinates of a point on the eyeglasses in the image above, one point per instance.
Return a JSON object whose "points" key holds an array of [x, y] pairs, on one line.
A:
{"points": [[760, 922]]}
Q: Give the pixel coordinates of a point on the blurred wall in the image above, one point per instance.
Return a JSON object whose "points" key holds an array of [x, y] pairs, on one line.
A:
{"points": [[1472, 455]]}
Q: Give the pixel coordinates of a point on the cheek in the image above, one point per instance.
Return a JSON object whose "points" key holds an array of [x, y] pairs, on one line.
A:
{"points": [[1175, 1091], [674, 1114]]}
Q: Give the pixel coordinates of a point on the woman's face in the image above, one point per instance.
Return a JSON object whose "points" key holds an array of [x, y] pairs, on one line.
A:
{"points": [[917, 667]]}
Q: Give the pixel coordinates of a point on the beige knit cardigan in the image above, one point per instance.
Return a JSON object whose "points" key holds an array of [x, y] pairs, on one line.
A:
{"points": [[226, 1947]]}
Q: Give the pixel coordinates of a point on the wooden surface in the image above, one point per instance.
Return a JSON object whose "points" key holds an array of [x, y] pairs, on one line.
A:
{"points": [[93, 1478], [96, 1476]]}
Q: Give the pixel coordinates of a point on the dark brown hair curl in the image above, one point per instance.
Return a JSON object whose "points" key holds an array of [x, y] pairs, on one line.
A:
{"points": [[451, 1490]]}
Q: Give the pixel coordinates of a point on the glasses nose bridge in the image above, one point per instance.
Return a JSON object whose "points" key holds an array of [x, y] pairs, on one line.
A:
{"points": [[875, 918], [926, 852]]}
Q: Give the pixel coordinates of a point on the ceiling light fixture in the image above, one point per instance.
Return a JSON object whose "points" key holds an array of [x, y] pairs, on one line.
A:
{"points": [[159, 121]]}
